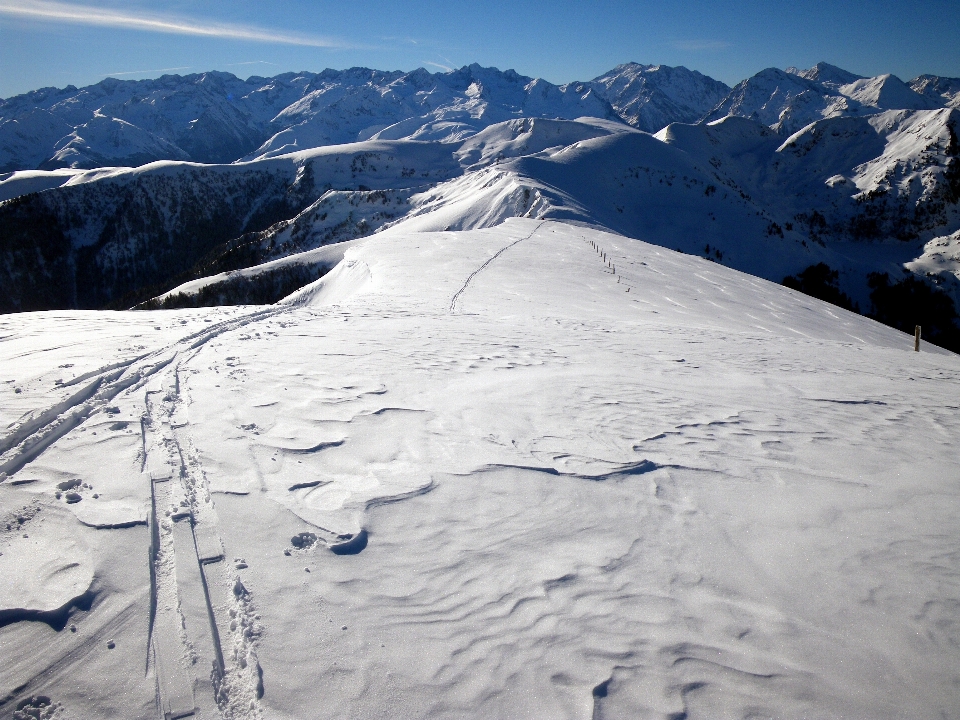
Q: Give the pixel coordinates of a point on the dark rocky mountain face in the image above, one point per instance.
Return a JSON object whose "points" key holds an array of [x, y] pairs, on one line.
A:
{"points": [[123, 238]]}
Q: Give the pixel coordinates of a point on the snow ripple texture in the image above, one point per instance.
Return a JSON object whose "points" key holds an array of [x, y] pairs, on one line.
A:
{"points": [[617, 481]]}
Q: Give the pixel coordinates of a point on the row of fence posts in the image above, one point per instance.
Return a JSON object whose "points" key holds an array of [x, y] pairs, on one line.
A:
{"points": [[603, 256]]}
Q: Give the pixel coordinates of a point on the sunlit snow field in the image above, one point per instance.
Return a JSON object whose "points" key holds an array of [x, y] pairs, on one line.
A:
{"points": [[530, 471]]}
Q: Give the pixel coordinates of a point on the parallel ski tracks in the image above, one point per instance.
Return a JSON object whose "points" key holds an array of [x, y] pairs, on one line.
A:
{"points": [[38, 430], [195, 600]]}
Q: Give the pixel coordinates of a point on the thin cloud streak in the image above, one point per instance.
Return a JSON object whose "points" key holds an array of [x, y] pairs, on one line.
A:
{"points": [[144, 72], [52, 11]]}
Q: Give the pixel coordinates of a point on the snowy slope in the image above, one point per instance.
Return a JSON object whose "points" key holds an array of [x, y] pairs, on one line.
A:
{"points": [[869, 190], [206, 116], [104, 141], [940, 261], [28, 138], [861, 194], [24, 182], [551, 489], [515, 138]]}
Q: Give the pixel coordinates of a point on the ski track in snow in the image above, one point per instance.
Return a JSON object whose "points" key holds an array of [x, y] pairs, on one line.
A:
{"points": [[609, 481]]}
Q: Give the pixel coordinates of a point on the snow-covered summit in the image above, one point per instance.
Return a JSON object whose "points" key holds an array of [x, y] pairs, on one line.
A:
{"points": [[826, 74], [886, 92], [444, 107], [215, 117], [650, 97]]}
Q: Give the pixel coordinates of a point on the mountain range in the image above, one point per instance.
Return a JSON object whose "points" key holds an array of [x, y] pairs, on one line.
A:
{"points": [[788, 171], [216, 117]]}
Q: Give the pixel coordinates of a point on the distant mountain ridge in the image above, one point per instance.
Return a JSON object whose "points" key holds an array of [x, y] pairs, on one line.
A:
{"points": [[215, 117], [788, 100]]}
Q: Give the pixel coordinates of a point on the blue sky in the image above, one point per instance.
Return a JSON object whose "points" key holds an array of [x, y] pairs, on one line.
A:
{"points": [[79, 42]]}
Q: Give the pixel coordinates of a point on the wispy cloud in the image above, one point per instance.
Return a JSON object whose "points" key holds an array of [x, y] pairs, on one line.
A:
{"points": [[146, 72], [445, 68], [251, 62], [51, 11], [701, 45]]}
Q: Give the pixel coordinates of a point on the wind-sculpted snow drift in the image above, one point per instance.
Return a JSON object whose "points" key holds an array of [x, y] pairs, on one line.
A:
{"points": [[535, 470]]}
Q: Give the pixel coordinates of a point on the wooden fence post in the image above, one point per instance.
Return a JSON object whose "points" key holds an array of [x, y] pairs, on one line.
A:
{"points": [[916, 338]]}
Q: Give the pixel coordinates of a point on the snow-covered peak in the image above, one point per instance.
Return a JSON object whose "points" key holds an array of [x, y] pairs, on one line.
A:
{"points": [[649, 97], [886, 92], [446, 107], [768, 94], [215, 117], [826, 74]]}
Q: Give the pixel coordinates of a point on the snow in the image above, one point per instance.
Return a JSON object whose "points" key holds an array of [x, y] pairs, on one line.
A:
{"points": [[215, 117], [826, 74], [942, 90], [567, 474], [789, 100], [887, 92], [650, 97], [446, 107], [104, 140], [516, 138], [47, 570], [941, 261], [22, 182]]}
